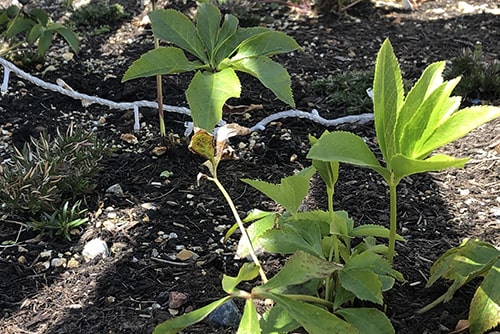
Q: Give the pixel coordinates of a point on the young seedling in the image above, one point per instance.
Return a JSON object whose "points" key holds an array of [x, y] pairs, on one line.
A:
{"points": [[408, 128], [219, 49]]}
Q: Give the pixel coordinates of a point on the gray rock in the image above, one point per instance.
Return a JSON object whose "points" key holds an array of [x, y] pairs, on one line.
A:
{"points": [[226, 315]]}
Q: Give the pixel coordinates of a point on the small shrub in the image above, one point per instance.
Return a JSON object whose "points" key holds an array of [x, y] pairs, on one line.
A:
{"points": [[480, 79], [48, 171], [347, 91], [98, 17]]}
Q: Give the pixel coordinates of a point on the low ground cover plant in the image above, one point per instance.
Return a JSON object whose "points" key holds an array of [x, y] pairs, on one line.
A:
{"points": [[47, 174]]}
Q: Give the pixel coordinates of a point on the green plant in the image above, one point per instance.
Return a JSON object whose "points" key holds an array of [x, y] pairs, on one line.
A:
{"points": [[347, 91], [19, 25], [408, 128], [480, 79], [98, 16], [325, 273], [48, 171], [462, 264], [61, 222], [220, 50]]}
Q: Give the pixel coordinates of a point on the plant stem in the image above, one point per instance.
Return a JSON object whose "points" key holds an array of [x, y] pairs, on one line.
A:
{"points": [[159, 90], [393, 220], [244, 233], [334, 250]]}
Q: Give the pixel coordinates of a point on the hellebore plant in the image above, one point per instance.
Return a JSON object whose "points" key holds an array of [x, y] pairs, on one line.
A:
{"points": [[462, 264], [219, 49], [408, 128], [299, 293]]}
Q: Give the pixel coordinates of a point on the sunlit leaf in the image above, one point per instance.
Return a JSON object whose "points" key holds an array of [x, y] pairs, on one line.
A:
{"points": [[249, 323], [484, 313], [164, 60], [388, 97], [202, 143], [265, 44], [314, 319], [300, 268], [173, 26], [247, 272], [207, 94], [208, 19]]}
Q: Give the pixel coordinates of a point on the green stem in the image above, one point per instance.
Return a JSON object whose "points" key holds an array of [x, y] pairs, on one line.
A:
{"points": [[244, 233], [310, 299], [393, 220], [334, 250]]}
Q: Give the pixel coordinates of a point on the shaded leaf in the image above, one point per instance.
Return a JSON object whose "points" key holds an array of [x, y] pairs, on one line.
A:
{"points": [[277, 321], [367, 320], [176, 325]]}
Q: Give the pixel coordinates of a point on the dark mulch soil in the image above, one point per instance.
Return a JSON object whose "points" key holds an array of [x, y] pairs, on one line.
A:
{"points": [[127, 292]]}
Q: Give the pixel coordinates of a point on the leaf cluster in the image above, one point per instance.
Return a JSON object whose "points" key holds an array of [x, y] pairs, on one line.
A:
{"points": [[19, 25], [98, 16], [462, 264], [219, 48], [61, 222]]}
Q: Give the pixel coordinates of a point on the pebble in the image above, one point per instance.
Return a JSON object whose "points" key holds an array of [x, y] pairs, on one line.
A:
{"points": [[94, 248], [115, 189], [186, 254], [226, 315], [177, 299], [58, 262], [73, 263]]}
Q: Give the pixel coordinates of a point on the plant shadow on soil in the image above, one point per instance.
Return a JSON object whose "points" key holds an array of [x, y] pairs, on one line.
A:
{"points": [[121, 293]]}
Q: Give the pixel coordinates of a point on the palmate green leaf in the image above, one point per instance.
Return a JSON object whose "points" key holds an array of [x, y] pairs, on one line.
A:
{"points": [[403, 166], [265, 44], [348, 148], [208, 19], [314, 319], [289, 193], [319, 217], [176, 325], [249, 323], [277, 321], [426, 118], [430, 79], [367, 320], [286, 239], [207, 94], [388, 97], [229, 46], [247, 272], [375, 263], [300, 268], [173, 26], [163, 60], [484, 312], [458, 125], [270, 73]]}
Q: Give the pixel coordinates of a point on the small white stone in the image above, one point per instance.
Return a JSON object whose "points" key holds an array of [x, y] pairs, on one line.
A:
{"points": [[58, 262], [94, 248]]}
